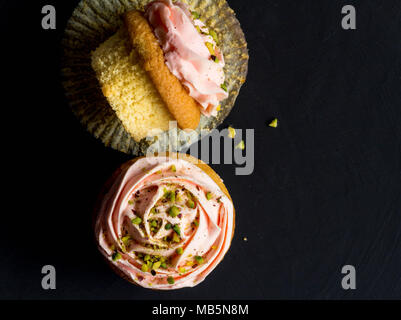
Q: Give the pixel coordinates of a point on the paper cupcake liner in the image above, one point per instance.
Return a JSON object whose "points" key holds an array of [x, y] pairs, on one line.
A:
{"points": [[92, 22]]}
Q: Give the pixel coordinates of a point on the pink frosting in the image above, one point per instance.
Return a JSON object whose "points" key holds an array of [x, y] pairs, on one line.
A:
{"points": [[186, 54], [139, 191]]}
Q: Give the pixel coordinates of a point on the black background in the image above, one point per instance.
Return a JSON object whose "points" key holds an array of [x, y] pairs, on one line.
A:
{"points": [[326, 190]]}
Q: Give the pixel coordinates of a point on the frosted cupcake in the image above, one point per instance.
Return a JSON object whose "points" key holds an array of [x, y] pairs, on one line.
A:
{"points": [[167, 61], [165, 222]]}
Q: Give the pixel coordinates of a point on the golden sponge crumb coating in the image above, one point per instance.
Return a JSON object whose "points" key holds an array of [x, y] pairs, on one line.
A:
{"points": [[182, 106], [128, 88]]}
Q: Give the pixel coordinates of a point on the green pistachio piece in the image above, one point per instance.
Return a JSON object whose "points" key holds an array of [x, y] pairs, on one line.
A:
{"points": [[179, 251], [274, 123], [116, 256], [136, 220], [163, 265], [240, 145], [170, 280], [209, 196], [190, 204], [224, 86], [176, 237], [147, 257], [173, 211], [170, 195], [125, 239], [177, 229], [215, 59], [173, 168], [209, 46], [195, 15], [156, 265], [144, 268], [168, 226], [153, 223], [214, 35], [199, 259]]}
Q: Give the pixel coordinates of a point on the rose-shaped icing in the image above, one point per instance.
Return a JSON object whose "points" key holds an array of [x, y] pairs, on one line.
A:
{"points": [[191, 52], [164, 223]]}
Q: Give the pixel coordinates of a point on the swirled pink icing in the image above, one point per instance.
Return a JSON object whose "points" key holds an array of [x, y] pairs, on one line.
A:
{"points": [[186, 53], [139, 194]]}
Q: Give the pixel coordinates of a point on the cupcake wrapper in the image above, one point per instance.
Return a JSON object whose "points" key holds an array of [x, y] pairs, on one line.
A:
{"points": [[92, 22]]}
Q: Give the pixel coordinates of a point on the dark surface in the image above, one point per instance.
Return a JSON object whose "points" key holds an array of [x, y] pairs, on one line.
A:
{"points": [[326, 190]]}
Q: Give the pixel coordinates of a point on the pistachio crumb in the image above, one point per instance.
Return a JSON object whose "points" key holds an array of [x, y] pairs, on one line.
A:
{"points": [[240, 145], [170, 280], [224, 86], [136, 220], [177, 229], [213, 34], [195, 15], [274, 123], [209, 46], [199, 259], [173, 211], [231, 132], [125, 239], [176, 237], [144, 268], [190, 204], [116, 256]]}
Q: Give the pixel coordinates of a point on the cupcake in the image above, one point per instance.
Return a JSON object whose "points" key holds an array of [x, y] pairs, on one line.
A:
{"points": [[164, 222], [164, 61]]}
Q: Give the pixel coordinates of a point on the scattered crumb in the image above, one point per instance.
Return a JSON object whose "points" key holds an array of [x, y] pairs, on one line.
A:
{"points": [[274, 123], [231, 132], [240, 145], [245, 239]]}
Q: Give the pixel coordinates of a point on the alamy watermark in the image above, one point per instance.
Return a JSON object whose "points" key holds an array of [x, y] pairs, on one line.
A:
{"points": [[348, 22], [348, 282], [49, 18], [209, 148], [49, 280]]}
